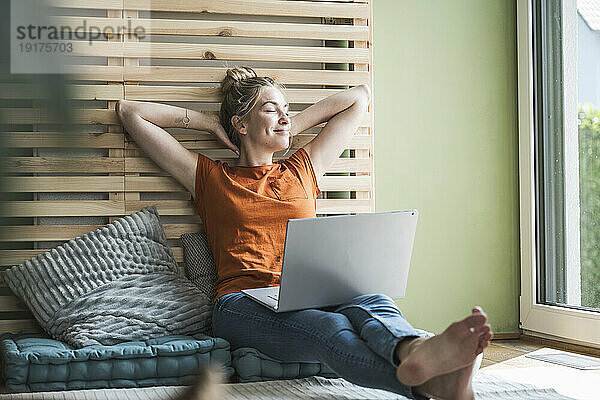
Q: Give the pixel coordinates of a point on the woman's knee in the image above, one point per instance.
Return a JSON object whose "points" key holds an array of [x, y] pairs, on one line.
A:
{"points": [[369, 299]]}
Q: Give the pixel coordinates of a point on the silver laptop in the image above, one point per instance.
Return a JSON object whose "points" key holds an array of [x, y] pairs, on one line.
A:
{"points": [[329, 260]]}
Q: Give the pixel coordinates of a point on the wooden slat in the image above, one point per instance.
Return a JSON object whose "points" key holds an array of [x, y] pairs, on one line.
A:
{"points": [[146, 165], [342, 206], [15, 257], [108, 73], [63, 140], [67, 232], [164, 207], [243, 7], [62, 208], [254, 7], [61, 164], [20, 326], [61, 184], [87, 4], [212, 74], [182, 207], [182, 93], [302, 138], [75, 92], [209, 74], [357, 142], [11, 303], [280, 30], [39, 116], [210, 51], [168, 184]]}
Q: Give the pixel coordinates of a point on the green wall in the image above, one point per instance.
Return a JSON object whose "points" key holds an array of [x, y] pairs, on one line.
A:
{"points": [[445, 106]]}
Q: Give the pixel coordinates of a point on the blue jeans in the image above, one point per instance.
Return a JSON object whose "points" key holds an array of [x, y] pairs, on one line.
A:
{"points": [[357, 340]]}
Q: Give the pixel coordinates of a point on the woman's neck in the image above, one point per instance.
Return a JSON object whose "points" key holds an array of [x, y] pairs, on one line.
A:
{"points": [[253, 160]]}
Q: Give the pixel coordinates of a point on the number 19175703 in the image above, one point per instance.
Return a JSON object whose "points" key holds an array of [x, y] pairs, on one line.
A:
{"points": [[46, 47]]}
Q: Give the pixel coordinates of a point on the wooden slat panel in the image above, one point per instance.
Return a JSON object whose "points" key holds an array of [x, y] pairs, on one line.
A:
{"points": [[39, 116], [63, 140], [60, 184], [15, 257], [168, 184], [67, 232], [123, 54], [62, 208], [62, 164], [210, 51], [225, 28], [146, 165]]}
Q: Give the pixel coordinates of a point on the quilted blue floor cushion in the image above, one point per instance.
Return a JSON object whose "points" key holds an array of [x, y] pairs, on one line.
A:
{"points": [[36, 364], [252, 366]]}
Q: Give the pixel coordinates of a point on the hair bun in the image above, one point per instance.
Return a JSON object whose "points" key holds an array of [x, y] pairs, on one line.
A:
{"points": [[236, 75]]}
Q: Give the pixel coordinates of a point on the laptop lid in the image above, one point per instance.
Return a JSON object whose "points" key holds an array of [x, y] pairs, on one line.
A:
{"points": [[330, 260]]}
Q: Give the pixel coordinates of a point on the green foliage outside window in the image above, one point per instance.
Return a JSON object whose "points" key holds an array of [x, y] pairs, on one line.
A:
{"points": [[589, 193]]}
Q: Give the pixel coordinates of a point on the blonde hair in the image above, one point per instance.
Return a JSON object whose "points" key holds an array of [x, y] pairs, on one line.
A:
{"points": [[240, 90]]}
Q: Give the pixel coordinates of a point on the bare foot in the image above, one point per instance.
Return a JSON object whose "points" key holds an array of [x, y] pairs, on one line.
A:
{"points": [[454, 350], [454, 385]]}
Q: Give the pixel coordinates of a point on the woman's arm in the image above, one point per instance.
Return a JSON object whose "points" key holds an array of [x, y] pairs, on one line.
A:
{"points": [[343, 113], [145, 121], [325, 109]]}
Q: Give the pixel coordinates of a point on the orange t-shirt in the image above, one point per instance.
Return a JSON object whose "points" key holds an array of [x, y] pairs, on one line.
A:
{"points": [[245, 211]]}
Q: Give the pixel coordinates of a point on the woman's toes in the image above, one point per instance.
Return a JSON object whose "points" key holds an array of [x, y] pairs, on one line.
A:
{"points": [[475, 320], [482, 330]]}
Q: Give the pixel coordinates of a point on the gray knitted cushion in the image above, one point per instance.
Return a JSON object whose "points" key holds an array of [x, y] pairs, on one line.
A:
{"points": [[199, 263], [118, 283]]}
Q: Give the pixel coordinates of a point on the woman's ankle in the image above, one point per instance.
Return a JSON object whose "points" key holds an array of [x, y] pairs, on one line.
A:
{"points": [[405, 347]]}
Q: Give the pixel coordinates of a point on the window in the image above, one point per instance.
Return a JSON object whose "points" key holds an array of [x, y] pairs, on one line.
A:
{"points": [[559, 155]]}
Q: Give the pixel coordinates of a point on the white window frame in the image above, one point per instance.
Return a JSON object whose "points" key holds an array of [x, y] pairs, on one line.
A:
{"points": [[565, 324]]}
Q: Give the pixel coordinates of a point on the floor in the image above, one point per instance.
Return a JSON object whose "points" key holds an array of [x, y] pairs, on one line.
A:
{"points": [[506, 359]]}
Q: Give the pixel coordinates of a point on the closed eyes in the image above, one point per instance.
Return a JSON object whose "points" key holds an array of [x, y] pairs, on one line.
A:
{"points": [[276, 111]]}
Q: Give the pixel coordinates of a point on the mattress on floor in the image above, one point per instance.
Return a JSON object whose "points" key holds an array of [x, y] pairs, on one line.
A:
{"points": [[32, 363]]}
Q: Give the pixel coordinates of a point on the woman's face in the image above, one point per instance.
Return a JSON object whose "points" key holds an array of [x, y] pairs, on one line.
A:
{"points": [[268, 124]]}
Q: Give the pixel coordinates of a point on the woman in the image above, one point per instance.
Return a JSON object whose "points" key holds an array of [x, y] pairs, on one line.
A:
{"points": [[244, 208]]}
